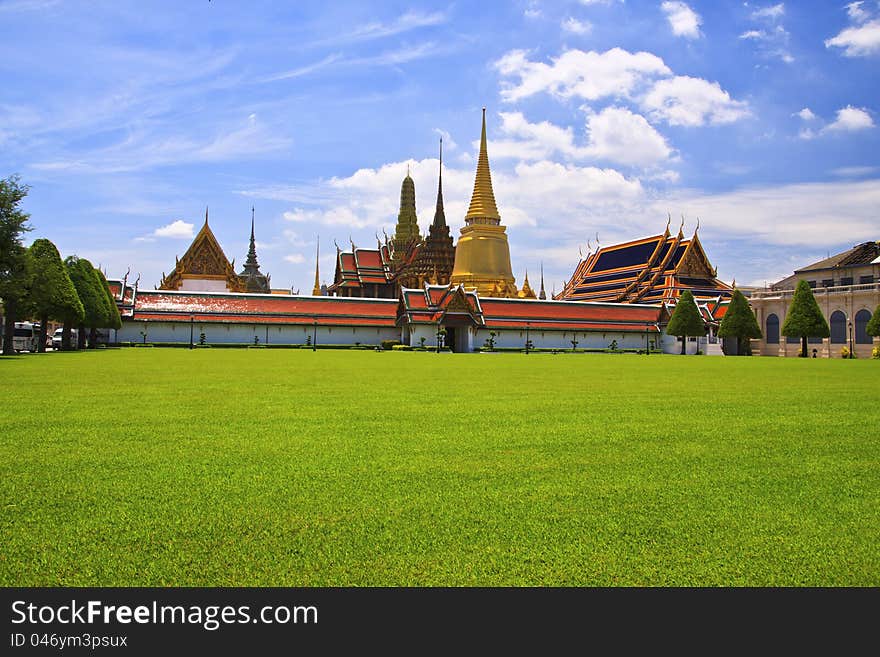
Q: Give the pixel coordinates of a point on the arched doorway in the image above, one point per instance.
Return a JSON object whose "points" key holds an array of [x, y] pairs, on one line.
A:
{"points": [[862, 319], [772, 331], [838, 327]]}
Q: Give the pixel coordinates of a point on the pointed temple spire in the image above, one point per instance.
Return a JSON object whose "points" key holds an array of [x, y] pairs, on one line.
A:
{"points": [[542, 295], [251, 261], [439, 214], [482, 255], [253, 278], [206, 215], [483, 199], [407, 230], [316, 291]]}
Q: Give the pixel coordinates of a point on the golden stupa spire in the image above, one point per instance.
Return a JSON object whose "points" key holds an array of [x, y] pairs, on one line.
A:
{"points": [[483, 200], [316, 291]]}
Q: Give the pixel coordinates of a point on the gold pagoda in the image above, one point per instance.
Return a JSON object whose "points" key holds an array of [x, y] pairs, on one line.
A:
{"points": [[482, 255]]}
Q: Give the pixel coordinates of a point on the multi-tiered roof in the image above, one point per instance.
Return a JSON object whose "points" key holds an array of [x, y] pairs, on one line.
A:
{"points": [[649, 270]]}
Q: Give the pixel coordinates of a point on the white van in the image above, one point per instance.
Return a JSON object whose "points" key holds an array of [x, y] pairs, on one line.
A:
{"points": [[25, 336], [56, 338]]}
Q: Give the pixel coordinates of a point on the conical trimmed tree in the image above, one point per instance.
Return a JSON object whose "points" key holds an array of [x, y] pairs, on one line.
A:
{"points": [[91, 294], [739, 322], [873, 326], [804, 319], [52, 294], [114, 320], [686, 320]]}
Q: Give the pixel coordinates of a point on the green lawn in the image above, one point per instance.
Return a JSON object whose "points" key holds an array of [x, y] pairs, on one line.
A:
{"points": [[172, 467]]}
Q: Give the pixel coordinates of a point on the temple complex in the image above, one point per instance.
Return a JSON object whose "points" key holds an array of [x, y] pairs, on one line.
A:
{"points": [[423, 291], [482, 256]]}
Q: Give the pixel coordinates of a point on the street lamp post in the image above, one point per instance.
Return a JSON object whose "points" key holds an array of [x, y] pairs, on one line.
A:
{"points": [[527, 338], [850, 339], [315, 334], [647, 346], [191, 320]]}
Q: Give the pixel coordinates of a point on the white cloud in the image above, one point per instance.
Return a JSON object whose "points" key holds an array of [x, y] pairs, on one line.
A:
{"points": [[796, 214], [688, 101], [376, 30], [771, 43], [617, 135], [854, 172], [806, 114], [850, 119], [807, 133], [683, 20], [142, 149], [856, 13], [295, 258], [576, 73], [177, 229], [448, 142], [574, 26], [772, 12], [858, 41]]}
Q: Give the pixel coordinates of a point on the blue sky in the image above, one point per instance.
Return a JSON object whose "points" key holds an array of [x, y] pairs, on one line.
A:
{"points": [[604, 117]]}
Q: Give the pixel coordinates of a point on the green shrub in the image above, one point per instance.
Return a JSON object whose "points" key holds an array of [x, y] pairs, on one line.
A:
{"points": [[388, 344], [401, 347], [875, 352]]}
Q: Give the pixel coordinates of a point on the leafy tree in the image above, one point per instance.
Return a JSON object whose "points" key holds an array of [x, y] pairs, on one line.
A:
{"points": [[110, 318], [873, 326], [739, 322], [115, 318], [16, 272], [92, 296], [686, 320], [52, 293], [804, 319]]}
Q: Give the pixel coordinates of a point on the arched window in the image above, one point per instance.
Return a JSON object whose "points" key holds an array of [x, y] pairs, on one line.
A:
{"points": [[772, 329], [838, 327], [862, 318]]}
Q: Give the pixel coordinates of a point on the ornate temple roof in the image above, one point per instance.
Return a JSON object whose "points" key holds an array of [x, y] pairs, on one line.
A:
{"points": [[434, 303], [648, 270], [359, 267], [204, 259], [566, 316], [158, 305]]}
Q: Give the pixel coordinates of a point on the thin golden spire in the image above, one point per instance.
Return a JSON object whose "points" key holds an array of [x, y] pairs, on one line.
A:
{"points": [[483, 199], [316, 291]]}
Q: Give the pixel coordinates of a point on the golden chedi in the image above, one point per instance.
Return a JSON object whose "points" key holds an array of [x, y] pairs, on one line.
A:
{"points": [[482, 255]]}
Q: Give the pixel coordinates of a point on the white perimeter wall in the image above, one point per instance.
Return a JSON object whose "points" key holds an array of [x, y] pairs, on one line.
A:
{"points": [[541, 339], [218, 333]]}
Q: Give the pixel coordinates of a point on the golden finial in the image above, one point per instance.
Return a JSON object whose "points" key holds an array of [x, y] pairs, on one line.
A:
{"points": [[483, 199], [316, 291]]}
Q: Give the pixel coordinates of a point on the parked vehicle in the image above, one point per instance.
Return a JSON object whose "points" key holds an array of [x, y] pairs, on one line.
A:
{"points": [[25, 336], [56, 338]]}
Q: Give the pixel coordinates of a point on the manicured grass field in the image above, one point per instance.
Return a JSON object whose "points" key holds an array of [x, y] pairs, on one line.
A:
{"points": [[213, 467]]}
